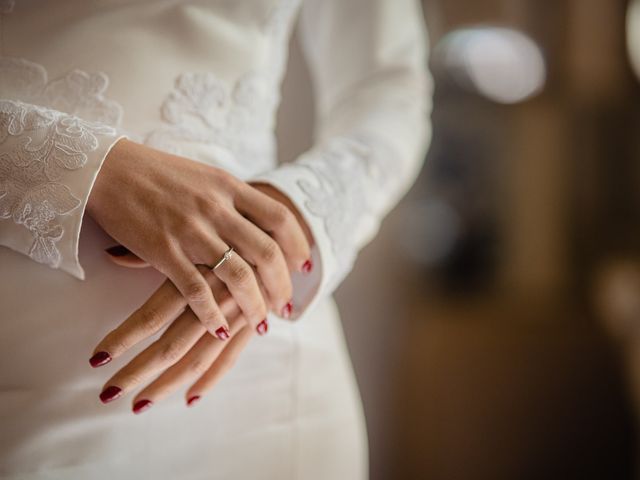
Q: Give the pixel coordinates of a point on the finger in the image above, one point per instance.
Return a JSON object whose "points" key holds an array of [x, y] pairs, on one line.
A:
{"points": [[277, 220], [242, 282], [124, 257], [164, 305], [181, 335], [194, 364], [221, 365], [259, 249], [196, 291]]}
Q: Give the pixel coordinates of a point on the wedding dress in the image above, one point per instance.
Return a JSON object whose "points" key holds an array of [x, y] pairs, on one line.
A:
{"points": [[200, 78]]}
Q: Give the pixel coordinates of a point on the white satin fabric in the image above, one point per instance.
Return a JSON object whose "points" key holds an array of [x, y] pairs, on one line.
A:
{"points": [[199, 78]]}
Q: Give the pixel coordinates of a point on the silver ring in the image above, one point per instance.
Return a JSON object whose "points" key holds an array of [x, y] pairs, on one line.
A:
{"points": [[226, 256]]}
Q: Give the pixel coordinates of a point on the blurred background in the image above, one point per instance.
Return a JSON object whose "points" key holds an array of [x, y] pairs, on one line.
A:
{"points": [[494, 323]]}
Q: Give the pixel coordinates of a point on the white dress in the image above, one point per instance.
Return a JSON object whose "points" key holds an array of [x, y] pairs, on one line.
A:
{"points": [[200, 78]]}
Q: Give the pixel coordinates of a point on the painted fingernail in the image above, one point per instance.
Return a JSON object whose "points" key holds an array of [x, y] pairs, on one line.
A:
{"points": [[117, 251], [110, 393], [222, 333], [142, 405], [193, 400], [263, 327], [99, 359], [286, 310], [307, 266]]}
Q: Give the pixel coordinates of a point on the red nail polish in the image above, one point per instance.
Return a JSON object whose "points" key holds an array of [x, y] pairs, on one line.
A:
{"points": [[286, 310], [222, 333], [110, 393], [193, 400], [262, 327], [307, 266], [141, 406], [99, 359], [117, 251]]}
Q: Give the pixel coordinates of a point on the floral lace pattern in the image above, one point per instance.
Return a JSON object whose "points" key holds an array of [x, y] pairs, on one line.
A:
{"points": [[43, 143], [346, 176], [203, 109], [76, 93], [239, 117]]}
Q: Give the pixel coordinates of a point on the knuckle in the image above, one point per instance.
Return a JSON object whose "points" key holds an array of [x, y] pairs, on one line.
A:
{"points": [[226, 178], [209, 206], [240, 274], [172, 351], [189, 223], [280, 215], [269, 251], [198, 366], [150, 319], [197, 292]]}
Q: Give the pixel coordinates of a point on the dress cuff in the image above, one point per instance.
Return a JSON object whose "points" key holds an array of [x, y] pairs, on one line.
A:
{"points": [[84, 178], [50, 161], [307, 288]]}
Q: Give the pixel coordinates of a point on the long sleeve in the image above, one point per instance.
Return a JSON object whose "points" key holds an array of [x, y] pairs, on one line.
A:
{"points": [[368, 61], [50, 158]]}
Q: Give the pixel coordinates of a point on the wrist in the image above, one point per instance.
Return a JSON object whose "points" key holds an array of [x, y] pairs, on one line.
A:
{"points": [[98, 192]]}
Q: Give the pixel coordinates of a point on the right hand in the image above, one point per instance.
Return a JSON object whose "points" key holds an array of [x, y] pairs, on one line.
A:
{"points": [[175, 213]]}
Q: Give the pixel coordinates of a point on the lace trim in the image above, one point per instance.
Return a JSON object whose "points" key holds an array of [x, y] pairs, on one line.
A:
{"points": [[45, 144], [76, 93], [42, 143], [347, 176]]}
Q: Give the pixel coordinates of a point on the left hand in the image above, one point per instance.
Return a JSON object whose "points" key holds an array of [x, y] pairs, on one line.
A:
{"points": [[184, 353]]}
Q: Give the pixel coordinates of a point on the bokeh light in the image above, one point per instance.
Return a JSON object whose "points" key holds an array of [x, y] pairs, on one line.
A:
{"points": [[501, 64]]}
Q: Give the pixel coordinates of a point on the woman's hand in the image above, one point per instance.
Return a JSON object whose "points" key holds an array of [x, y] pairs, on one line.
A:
{"points": [[184, 353], [174, 213]]}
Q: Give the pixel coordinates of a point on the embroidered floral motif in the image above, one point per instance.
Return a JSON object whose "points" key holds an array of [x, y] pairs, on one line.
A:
{"points": [[346, 176], [43, 143], [204, 109], [76, 93], [239, 117]]}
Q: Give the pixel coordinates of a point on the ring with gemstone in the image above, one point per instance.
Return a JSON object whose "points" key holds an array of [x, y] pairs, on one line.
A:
{"points": [[226, 256]]}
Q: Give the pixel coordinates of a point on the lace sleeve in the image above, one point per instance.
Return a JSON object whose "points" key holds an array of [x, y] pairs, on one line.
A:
{"points": [[49, 160], [372, 94]]}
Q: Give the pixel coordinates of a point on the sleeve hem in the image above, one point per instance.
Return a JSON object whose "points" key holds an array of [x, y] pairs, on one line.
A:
{"points": [[73, 265], [307, 288]]}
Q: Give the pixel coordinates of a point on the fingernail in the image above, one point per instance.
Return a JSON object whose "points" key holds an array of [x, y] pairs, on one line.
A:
{"points": [[99, 359], [141, 406], [110, 393], [286, 310], [263, 327], [307, 266], [193, 400], [117, 251], [222, 333]]}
